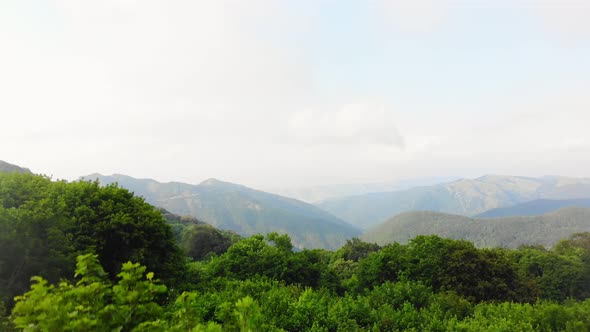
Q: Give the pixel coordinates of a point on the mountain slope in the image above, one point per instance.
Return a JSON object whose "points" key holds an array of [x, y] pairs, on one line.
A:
{"points": [[534, 208], [510, 232], [312, 194], [241, 209], [10, 168], [466, 197]]}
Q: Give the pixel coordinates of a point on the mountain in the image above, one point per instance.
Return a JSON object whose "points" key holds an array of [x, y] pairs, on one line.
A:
{"points": [[312, 194], [466, 197], [10, 168], [509, 232], [534, 208], [241, 209]]}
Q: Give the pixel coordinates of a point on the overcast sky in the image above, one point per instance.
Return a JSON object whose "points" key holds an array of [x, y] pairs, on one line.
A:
{"points": [[292, 93]]}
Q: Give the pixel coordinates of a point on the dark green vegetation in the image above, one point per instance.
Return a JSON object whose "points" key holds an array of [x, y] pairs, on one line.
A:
{"points": [[241, 209], [464, 197], [198, 239], [509, 232], [45, 224], [79, 238], [534, 208], [259, 284]]}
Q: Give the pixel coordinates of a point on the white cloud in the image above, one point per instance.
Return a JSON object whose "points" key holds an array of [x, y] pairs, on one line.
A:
{"points": [[356, 123], [569, 19], [147, 83], [413, 15], [208, 51], [573, 143], [186, 90]]}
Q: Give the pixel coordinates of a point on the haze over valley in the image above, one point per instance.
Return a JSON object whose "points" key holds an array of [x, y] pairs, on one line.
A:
{"points": [[467, 197], [241, 209], [490, 211]]}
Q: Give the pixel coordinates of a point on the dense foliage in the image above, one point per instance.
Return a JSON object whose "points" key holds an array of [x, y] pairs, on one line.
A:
{"points": [[260, 284], [199, 240], [45, 224], [79, 238]]}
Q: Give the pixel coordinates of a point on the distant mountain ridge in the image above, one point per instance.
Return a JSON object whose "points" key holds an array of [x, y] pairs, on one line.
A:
{"points": [[534, 208], [241, 209], [10, 168], [467, 197], [313, 194], [509, 232]]}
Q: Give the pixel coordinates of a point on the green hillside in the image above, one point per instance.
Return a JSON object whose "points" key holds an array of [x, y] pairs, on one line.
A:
{"points": [[77, 256], [10, 168], [534, 208], [465, 197], [509, 232], [242, 209], [45, 224]]}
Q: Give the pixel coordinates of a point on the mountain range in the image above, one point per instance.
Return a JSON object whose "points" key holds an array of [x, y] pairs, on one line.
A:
{"points": [[312, 194], [241, 209], [534, 208], [467, 197], [9, 168], [508, 232], [492, 210]]}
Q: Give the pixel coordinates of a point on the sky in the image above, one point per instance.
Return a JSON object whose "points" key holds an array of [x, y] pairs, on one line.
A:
{"points": [[295, 93]]}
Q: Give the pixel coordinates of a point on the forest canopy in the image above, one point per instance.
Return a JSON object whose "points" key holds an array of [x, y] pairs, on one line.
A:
{"points": [[45, 225], [76, 256]]}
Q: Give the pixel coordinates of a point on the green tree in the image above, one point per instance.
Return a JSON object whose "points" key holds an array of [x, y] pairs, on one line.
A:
{"points": [[92, 304], [45, 224], [200, 241], [119, 227], [355, 249], [446, 265], [556, 277]]}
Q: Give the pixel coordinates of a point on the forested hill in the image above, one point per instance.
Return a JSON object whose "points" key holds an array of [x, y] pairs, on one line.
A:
{"points": [[10, 168], [83, 257], [241, 209], [196, 238], [465, 197], [509, 232], [534, 208], [45, 224]]}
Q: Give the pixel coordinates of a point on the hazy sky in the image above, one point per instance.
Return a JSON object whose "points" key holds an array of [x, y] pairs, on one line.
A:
{"points": [[284, 93]]}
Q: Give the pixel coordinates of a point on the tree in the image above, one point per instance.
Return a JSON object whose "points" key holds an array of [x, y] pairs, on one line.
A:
{"points": [[119, 227], [200, 241], [445, 265], [355, 249], [45, 224], [93, 303], [577, 245], [556, 277]]}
